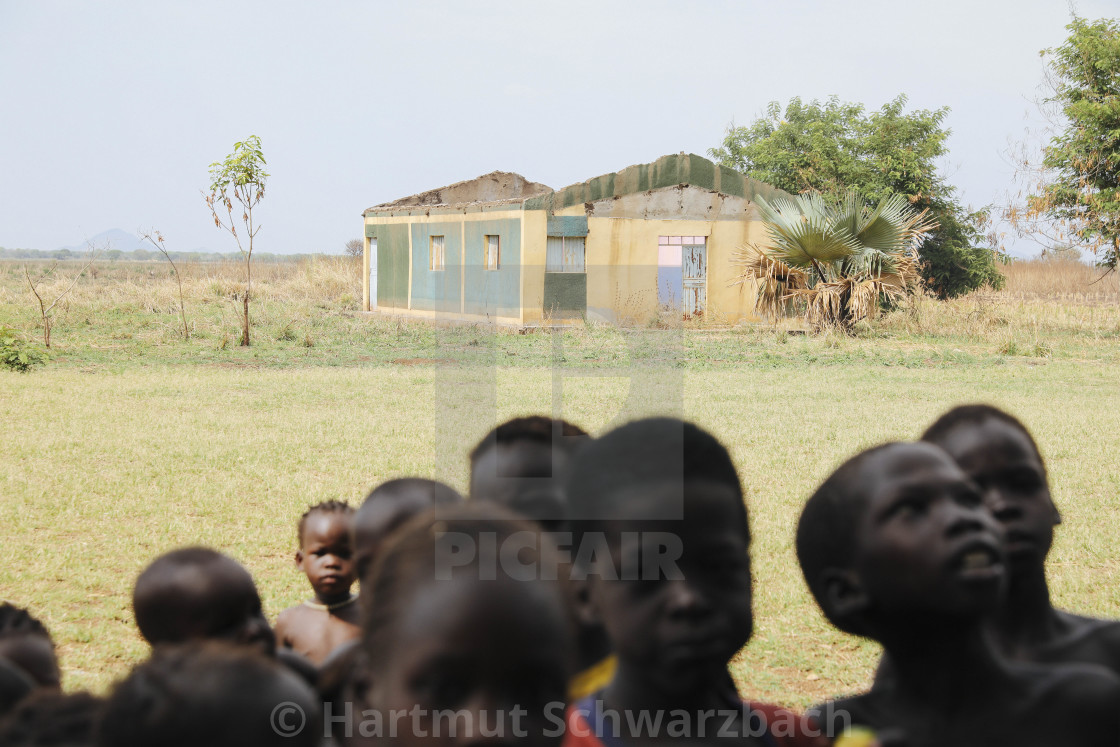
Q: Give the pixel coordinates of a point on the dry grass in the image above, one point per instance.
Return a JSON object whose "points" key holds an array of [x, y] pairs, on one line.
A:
{"points": [[151, 285], [127, 300], [1043, 305], [1060, 280]]}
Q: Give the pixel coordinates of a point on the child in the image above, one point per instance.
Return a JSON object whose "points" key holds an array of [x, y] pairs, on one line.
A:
{"points": [[315, 628], [471, 647], [387, 507], [998, 453], [26, 643], [197, 593], [522, 464], [896, 546], [658, 514], [384, 510], [210, 693]]}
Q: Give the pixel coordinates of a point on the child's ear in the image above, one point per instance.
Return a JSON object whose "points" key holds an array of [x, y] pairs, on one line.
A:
{"points": [[299, 559], [844, 595]]}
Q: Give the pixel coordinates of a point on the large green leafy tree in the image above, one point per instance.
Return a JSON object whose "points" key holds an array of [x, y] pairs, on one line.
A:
{"points": [[836, 146], [1080, 186]]}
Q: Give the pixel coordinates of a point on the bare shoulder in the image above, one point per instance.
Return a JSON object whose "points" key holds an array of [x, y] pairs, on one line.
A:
{"points": [[291, 620], [1089, 640], [1080, 699]]}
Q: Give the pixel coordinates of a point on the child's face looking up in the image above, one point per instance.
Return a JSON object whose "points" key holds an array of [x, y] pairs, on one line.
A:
{"points": [[681, 627], [925, 543], [487, 649], [325, 556], [999, 458]]}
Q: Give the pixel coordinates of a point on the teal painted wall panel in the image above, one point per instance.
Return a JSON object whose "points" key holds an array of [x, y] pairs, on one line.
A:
{"points": [[493, 292], [437, 290], [392, 266], [565, 295]]}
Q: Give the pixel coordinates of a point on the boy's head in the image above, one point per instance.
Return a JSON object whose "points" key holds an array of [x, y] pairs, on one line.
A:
{"points": [[462, 617], [26, 643], [197, 593], [896, 537], [324, 550], [998, 453], [210, 693], [660, 528], [521, 465], [387, 507]]}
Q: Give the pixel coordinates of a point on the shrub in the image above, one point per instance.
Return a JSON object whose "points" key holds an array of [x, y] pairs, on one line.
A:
{"points": [[17, 353]]}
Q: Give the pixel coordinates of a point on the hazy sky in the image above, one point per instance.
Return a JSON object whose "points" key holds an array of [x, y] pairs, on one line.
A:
{"points": [[110, 112]]}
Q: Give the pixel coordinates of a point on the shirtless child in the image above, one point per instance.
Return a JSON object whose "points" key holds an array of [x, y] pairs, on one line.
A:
{"points": [[317, 627], [897, 546], [1001, 457]]}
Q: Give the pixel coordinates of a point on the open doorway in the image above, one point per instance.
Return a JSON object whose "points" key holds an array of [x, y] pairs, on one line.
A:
{"points": [[682, 274]]}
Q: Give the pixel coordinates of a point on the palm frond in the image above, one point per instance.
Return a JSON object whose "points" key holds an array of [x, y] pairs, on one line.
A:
{"points": [[801, 232], [850, 212], [884, 229], [775, 279]]}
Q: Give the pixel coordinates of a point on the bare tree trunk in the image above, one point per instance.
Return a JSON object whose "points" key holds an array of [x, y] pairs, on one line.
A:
{"points": [[245, 301], [157, 242], [182, 310]]}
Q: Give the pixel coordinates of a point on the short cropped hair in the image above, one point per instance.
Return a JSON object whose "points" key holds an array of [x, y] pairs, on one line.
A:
{"points": [[826, 530], [326, 507], [17, 621], [976, 414], [643, 452], [440, 494], [534, 429], [157, 604]]}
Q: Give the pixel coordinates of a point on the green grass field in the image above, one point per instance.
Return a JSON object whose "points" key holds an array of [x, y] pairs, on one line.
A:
{"points": [[132, 441]]}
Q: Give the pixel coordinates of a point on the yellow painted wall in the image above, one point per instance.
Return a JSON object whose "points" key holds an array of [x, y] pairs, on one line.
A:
{"points": [[622, 267], [534, 230]]}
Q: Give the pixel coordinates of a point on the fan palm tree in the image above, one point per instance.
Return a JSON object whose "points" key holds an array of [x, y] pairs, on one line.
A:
{"points": [[840, 258]]}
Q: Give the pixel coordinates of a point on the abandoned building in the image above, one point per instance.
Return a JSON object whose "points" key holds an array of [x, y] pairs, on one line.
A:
{"points": [[623, 246]]}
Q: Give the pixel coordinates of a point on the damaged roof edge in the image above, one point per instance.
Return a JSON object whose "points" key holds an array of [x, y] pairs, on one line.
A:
{"points": [[509, 188], [497, 186]]}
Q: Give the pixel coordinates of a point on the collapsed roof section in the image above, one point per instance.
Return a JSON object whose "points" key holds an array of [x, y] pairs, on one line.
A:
{"points": [[503, 187]]}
